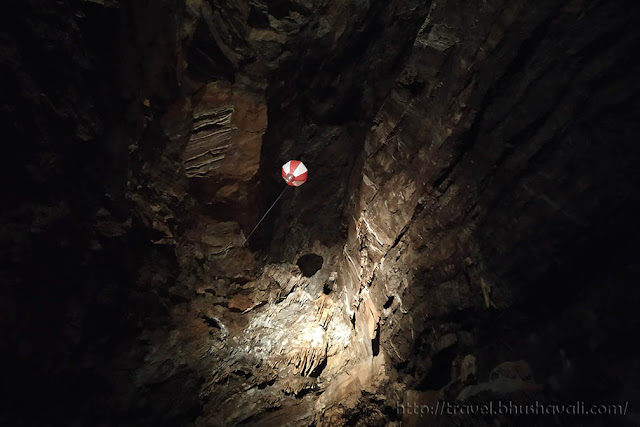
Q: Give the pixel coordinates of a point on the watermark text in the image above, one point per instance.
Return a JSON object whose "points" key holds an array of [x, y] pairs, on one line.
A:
{"points": [[506, 407]]}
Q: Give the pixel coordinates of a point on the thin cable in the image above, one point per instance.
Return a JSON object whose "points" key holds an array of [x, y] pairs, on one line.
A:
{"points": [[263, 216]]}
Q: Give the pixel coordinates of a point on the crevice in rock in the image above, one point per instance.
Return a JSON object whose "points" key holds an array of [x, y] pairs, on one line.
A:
{"points": [[242, 373], [310, 264], [319, 369], [440, 372], [375, 342], [388, 302], [326, 288], [213, 323], [266, 384]]}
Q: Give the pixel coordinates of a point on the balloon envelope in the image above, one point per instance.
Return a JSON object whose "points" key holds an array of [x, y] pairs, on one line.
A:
{"points": [[294, 173]]}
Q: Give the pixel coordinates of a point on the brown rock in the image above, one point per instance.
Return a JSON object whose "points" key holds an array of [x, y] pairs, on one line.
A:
{"points": [[241, 303], [226, 138]]}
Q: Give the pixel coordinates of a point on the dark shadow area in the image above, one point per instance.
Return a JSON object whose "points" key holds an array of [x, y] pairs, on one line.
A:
{"points": [[318, 370], [206, 60], [375, 342], [440, 372], [310, 264]]}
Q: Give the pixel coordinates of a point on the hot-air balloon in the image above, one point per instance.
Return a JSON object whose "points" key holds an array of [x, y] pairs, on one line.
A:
{"points": [[294, 173]]}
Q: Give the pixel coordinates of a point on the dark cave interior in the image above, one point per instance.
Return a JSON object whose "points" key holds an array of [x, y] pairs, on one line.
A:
{"points": [[468, 232]]}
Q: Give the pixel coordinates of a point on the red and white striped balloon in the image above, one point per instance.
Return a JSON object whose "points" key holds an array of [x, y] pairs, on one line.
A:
{"points": [[294, 172]]}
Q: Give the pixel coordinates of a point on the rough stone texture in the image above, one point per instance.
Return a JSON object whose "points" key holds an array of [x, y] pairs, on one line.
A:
{"points": [[471, 206]]}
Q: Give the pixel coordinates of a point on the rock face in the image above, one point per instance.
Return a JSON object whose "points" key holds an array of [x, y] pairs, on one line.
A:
{"points": [[226, 125], [467, 234]]}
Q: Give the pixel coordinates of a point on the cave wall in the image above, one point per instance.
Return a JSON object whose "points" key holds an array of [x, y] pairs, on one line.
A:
{"points": [[471, 204], [73, 245], [493, 176]]}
